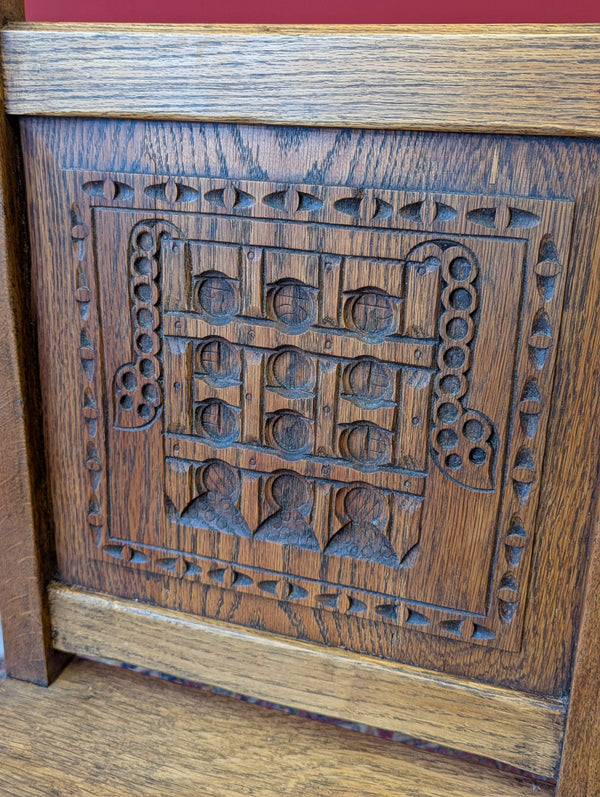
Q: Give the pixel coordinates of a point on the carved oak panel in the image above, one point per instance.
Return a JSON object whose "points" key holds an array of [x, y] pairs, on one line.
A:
{"points": [[321, 390]]}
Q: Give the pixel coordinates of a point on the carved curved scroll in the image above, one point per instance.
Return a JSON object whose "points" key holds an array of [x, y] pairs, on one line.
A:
{"points": [[462, 441], [137, 384]]}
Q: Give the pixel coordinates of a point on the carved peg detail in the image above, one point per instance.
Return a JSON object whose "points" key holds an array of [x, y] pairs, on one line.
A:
{"points": [[514, 542], [503, 217], [540, 340], [530, 408], [291, 201], [230, 198], [364, 208], [428, 211], [109, 190], [79, 230], [523, 474], [172, 191]]}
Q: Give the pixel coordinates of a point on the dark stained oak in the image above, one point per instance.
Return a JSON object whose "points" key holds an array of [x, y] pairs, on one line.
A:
{"points": [[580, 764], [313, 381], [12, 11]]}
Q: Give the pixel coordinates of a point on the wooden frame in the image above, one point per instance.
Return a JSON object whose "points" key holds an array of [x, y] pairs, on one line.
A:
{"points": [[486, 92], [517, 729], [462, 78]]}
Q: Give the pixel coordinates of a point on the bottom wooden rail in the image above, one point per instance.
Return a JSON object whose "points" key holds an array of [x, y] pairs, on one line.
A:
{"points": [[102, 730], [517, 729]]}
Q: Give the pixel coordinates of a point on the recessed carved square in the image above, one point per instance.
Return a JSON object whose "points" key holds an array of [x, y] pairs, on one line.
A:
{"points": [[322, 390]]}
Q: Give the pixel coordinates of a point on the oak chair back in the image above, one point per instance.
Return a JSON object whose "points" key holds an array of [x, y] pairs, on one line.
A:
{"points": [[299, 376]]}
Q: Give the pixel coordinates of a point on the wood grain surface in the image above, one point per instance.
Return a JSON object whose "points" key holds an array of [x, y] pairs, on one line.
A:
{"points": [[139, 735], [144, 163], [25, 536], [580, 763], [538, 79], [538, 199], [497, 723]]}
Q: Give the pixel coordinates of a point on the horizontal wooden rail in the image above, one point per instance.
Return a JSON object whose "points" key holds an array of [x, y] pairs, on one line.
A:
{"points": [[147, 737], [536, 79], [508, 726]]}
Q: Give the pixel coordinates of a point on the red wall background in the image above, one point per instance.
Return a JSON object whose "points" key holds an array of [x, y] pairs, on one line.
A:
{"points": [[314, 11]]}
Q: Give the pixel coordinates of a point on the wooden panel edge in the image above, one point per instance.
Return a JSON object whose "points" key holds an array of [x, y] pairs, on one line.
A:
{"points": [[580, 763], [24, 540], [474, 79], [515, 728]]}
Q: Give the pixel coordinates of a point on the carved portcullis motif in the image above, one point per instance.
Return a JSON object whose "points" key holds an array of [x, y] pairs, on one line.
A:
{"points": [[316, 393], [302, 389]]}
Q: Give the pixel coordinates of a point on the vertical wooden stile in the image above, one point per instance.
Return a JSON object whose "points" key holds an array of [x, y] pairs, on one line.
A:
{"points": [[25, 541]]}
